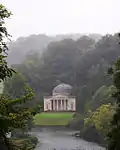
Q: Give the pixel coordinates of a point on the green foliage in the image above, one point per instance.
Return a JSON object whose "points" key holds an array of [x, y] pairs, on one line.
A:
{"points": [[79, 63], [100, 118], [37, 43], [91, 134], [13, 114], [15, 86], [26, 143], [5, 71], [102, 96], [114, 133]]}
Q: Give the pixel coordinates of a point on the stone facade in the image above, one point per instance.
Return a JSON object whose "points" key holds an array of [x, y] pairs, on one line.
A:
{"points": [[60, 101]]}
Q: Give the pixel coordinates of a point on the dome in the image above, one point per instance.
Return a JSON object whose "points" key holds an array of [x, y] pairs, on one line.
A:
{"points": [[62, 89]]}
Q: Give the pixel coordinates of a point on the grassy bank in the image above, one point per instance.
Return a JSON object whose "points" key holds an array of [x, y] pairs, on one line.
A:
{"points": [[53, 118]]}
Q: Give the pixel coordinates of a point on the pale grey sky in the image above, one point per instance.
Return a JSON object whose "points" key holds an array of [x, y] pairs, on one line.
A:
{"points": [[62, 16]]}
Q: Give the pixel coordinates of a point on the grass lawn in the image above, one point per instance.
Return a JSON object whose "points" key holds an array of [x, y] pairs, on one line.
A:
{"points": [[53, 118]]}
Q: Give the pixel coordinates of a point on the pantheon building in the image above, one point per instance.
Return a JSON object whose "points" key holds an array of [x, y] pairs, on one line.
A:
{"points": [[61, 99]]}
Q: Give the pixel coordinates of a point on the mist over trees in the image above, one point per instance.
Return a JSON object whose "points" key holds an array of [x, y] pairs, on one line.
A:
{"points": [[36, 43], [83, 63], [38, 62]]}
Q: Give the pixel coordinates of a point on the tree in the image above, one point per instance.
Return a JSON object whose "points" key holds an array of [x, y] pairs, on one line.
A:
{"points": [[101, 118], [5, 71], [15, 86], [114, 133], [79, 63], [12, 113], [102, 96]]}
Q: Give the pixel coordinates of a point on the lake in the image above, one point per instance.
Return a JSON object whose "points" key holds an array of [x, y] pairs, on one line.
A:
{"points": [[58, 139]]}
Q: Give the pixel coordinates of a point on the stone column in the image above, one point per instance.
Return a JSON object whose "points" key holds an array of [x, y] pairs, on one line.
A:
{"points": [[60, 104], [51, 105], [68, 106], [54, 105], [74, 105], [57, 106], [65, 104]]}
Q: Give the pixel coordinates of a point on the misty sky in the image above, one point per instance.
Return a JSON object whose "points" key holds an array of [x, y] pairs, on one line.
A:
{"points": [[62, 16]]}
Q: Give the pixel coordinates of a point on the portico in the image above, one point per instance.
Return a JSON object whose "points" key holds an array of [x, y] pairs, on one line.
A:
{"points": [[59, 104]]}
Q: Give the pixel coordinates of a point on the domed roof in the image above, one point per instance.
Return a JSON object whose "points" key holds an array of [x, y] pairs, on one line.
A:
{"points": [[62, 89]]}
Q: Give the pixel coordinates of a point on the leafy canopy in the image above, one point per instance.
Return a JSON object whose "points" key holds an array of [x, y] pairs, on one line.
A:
{"points": [[5, 71], [114, 133], [100, 118], [12, 113]]}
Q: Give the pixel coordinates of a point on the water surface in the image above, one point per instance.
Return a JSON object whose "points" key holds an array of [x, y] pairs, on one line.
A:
{"points": [[51, 139]]}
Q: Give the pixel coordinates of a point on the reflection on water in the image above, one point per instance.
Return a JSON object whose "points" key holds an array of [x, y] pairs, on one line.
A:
{"points": [[61, 140]]}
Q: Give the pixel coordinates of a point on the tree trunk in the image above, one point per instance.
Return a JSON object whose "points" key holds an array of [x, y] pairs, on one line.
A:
{"points": [[4, 142]]}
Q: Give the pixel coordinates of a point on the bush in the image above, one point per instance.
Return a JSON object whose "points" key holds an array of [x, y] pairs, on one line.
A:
{"points": [[91, 134], [33, 140], [28, 143]]}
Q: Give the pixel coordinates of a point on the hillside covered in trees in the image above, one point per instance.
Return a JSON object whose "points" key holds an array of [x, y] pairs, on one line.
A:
{"points": [[35, 64], [36, 43], [83, 63]]}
